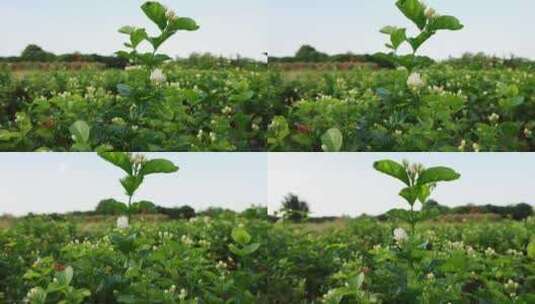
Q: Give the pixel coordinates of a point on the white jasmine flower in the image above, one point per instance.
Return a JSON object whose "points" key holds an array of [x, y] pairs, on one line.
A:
{"points": [[170, 14], [400, 235], [157, 76], [527, 132], [213, 136], [462, 145], [476, 147], [430, 13], [122, 222], [226, 110], [415, 81], [494, 117]]}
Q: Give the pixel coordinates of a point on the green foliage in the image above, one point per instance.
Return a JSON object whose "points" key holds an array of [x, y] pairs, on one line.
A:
{"points": [[346, 261], [294, 209], [111, 207], [168, 24], [136, 168], [419, 182], [428, 23], [245, 110], [35, 53]]}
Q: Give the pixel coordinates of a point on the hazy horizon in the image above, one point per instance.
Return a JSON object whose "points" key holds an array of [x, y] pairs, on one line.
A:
{"points": [[341, 26], [334, 184], [66, 182], [279, 27]]}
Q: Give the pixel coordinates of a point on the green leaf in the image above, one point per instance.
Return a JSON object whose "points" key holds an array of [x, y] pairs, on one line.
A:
{"points": [[127, 30], [393, 169], [400, 214], [531, 249], [417, 42], [119, 159], [131, 183], [424, 191], [241, 236], [332, 140], [251, 248], [158, 166], [156, 12], [414, 10], [437, 174], [410, 194], [388, 30], [398, 37], [445, 23], [80, 130], [183, 24], [234, 249], [65, 277], [6, 135], [137, 37]]}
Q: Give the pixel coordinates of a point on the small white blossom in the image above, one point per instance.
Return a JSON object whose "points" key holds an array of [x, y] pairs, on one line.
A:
{"points": [[170, 14], [226, 110], [462, 145], [400, 235], [415, 81], [158, 77], [430, 13], [494, 117], [122, 222]]}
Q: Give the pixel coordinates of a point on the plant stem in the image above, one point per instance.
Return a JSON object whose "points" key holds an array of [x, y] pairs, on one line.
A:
{"points": [[129, 208]]}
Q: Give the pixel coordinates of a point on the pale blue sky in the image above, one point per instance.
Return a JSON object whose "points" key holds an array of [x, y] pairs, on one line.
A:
{"points": [[346, 183], [333, 184], [61, 182], [250, 27], [337, 26], [227, 27]]}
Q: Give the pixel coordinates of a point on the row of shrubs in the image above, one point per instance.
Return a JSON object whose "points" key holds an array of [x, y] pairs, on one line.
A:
{"points": [[308, 54], [34, 57]]}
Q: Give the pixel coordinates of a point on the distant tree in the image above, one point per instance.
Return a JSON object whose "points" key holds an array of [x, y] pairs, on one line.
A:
{"points": [[522, 211], [294, 209], [184, 212], [432, 204], [144, 207], [307, 53], [111, 207], [35, 53], [256, 212]]}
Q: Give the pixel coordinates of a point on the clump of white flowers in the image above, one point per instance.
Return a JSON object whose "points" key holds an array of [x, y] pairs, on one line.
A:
{"points": [[170, 14], [462, 145], [226, 110], [415, 81], [430, 13], [400, 235], [493, 118], [527, 132], [158, 77], [122, 222], [476, 147]]}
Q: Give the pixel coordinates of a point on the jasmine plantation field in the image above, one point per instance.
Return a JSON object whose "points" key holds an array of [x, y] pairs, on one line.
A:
{"points": [[141, 99]]}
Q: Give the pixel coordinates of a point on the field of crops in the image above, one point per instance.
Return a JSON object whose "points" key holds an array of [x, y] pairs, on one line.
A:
{"points": [[230, 259], [449, 109]]}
